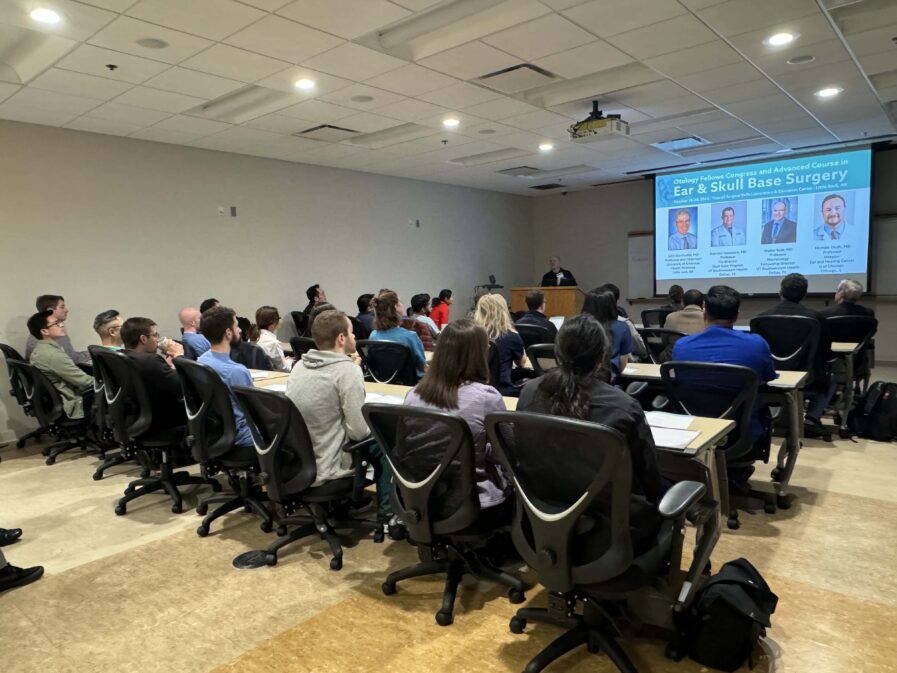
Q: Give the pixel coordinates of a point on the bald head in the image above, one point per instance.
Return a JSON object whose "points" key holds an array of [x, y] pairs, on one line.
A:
{"points": [[189, 318]]}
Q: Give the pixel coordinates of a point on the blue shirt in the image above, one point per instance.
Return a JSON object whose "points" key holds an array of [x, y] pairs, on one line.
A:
{"points": [[406, 337], [732, 347], [197, 342], [621, 343], [233, 374]]}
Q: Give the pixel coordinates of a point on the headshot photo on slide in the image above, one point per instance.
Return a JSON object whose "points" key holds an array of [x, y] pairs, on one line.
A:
{"points": [[834, 216], [779, 220], [728, 223], [683, 228]]}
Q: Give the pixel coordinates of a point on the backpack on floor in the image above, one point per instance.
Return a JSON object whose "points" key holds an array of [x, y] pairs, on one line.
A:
{"points": [[875, 414]]}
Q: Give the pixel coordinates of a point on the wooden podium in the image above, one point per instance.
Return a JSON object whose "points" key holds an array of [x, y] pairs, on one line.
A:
{"points": [[563, 300]]}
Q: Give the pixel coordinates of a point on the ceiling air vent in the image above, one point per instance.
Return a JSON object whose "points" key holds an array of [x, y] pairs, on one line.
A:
{"points": [[327, 133], [521, 171], [490, 157], [547, 186], [517, 78]]}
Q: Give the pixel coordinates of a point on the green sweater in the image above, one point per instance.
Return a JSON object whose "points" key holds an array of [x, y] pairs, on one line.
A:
{"points": [[71, 381]]}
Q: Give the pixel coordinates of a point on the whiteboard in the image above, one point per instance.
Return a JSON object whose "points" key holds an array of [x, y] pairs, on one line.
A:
{"points": [[884, 245], [641, 265]]}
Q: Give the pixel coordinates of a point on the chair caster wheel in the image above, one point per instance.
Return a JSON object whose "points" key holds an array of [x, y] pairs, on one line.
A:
{"points": [[593, 646], [843, 433], [336, 563], [379, 536], [733, 523], [769, 507], [177, 508], [50, 461], [97, 476], [517, 624], [388, 589], [776, 474], [673, 652], [202, 531], [145, 473], [281, 531], [246, 508], [271, 559], [266, 526], [444, 618], [121, 509], [45, 451], [20, 444], [783, 502], [516, 596], [202, 510]]}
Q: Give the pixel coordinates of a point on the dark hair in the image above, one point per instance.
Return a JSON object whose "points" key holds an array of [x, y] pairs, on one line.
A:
{"points": [[316, 311], [364, 303], [830, 197], [794, 287], [386, 312], [215, 322], [693, 298], [266, 316], [47, 301], [581, 348], [39, 321], [134, 328], [419, 303], [312, 291], [675, 294], [207, 304], [609, 287], [328, 325], [722, 303], [534, 300], [104, 318], [248, 331], [460, 356], [602, 306], [443, 295]]}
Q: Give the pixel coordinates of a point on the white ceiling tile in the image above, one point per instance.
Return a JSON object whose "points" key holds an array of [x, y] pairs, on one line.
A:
{"points": [[670, 107], [163, 136], [368, 122], [192, 125], [554, 131], [35, 115], [52, 100], [735, 17], [344, 97], [93, 125], [695, 59], [648, 93], [741, 91], [559, 5], [470, 61], [155, 99], [192, 83], [812, 30], [766, 109], [123, 34], [544, 36], [354, 62], [411, 109], [460, 95], [872, 41], [608, 17], [213, 19], [532, 120], [877, 63], [285, 80], [501, 108], [346, 18], [93, 61], [78, 21], [318, 111], [664, 37], [283, 39], [267, 5], [416, 5], [435, 121], [411, 80], [584, 60], [128, 114], [7, 90], [78, 84], [113, 5], [277, 123], [717, 78], [234, 63], [820, 76]]}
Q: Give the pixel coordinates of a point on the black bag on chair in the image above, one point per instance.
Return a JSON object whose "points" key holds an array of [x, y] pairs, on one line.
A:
{"points": [[875, 415], [729, 616]]}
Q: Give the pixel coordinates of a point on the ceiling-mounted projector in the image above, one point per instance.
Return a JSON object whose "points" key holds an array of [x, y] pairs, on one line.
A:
{"points": [[597, 126]]}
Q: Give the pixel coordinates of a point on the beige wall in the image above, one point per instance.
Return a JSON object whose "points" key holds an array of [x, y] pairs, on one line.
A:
{"points": [[118, 223]]}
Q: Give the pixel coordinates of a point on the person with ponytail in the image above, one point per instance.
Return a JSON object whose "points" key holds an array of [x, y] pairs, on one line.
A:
{"points": [[439, 310], [578, 388], [603, 307], [388, 312]]}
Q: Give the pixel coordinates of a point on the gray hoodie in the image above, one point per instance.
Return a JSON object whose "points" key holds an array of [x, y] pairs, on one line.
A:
{"points": [[328, 390]]}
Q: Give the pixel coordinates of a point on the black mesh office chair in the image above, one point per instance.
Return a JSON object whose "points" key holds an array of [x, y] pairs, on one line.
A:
{"points": [[534, 334], [103, 421], [211, 437], [131, 415], [793, 341], [859, 330], [359, 330], [17, 392], [431, 454], [655, 317], [519, 375], [572, 524], [659, 343], [251, 356], [723, 391], [288, 471], [542, 358], [388, 362], [300, 321], [301, 346]]}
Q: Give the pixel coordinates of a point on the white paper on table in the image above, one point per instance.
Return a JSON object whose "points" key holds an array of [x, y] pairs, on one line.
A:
{"points": [[256, 374], [383, 399], [629, 369], [277, 387], [558, 320], [673, 439], [662, 419]]}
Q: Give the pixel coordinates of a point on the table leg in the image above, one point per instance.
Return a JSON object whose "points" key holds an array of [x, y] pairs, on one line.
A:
{"points": [[848, 392], [791, 446]]}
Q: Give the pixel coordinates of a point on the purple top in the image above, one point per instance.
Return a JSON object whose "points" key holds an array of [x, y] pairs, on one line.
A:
{"points": [[475, 400]]}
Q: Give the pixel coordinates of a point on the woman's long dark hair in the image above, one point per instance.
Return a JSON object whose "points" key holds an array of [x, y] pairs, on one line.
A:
{"points": [[460, 356], [581, 348], [443, 295], [602, 306]]}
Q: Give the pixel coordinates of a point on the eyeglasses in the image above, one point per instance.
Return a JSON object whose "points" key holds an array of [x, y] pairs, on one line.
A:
{"points": [[155, 335], [58, 323]]}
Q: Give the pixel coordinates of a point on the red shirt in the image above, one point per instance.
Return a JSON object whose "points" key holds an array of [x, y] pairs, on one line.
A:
{"points": [[440, 315]]}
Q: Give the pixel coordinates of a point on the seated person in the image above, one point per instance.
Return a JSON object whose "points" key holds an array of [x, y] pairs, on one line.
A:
{"points": [[365, 312], [189, 318], [492, 315], [219, 326], [328, 389], [690, 318], [458, 382], [316, 297], [246, 352], [535, 314], [74, 385], [267, 320], [388, 311], [846, 297], [720, 343], [439, 308], [577, 388], [107, 325], [207, 304], [639, 349], [675, 298], [142, 342], [56, 304], [419, 312], [603, 307]]}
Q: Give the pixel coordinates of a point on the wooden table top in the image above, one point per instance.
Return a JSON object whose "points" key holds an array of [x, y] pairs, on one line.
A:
{"points": [[647, 371]]}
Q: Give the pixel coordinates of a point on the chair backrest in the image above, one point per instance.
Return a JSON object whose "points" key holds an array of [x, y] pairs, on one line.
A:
{"points": [[251, 356], [659, 342], [359, 330], [285, 451], [572, 480], [852, 329], [533, 334], [211, 426], [300, 321], [542, 357], [44, 399], [655, 317], [17, 389], [129, 410], [715, 390], [431, 454], [793, 339], [388, 362], [301, 345], [100, 408]]}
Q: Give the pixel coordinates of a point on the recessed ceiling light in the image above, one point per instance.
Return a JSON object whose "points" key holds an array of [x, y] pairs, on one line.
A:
{"points": [[546, 147], [450, 123], [44, 15], [152, 43], [801, 60], [362, 99], [829, 91], [780, 39], [305, 84]]}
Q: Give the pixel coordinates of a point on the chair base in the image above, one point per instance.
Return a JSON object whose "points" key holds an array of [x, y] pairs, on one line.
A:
{"points": [[751, 500], [250, 502], [455, 564], [167, 480], [34, 434], [67, 442], [111, 461]]}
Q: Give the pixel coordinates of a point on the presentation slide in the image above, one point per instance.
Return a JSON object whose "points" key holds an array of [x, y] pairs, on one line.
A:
{"points": [[757, 222]]}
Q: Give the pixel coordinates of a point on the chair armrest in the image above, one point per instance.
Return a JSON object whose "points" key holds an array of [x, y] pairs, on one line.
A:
{"points": [[359, 466], [636, 388], [680, 498], [366, 443]]}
